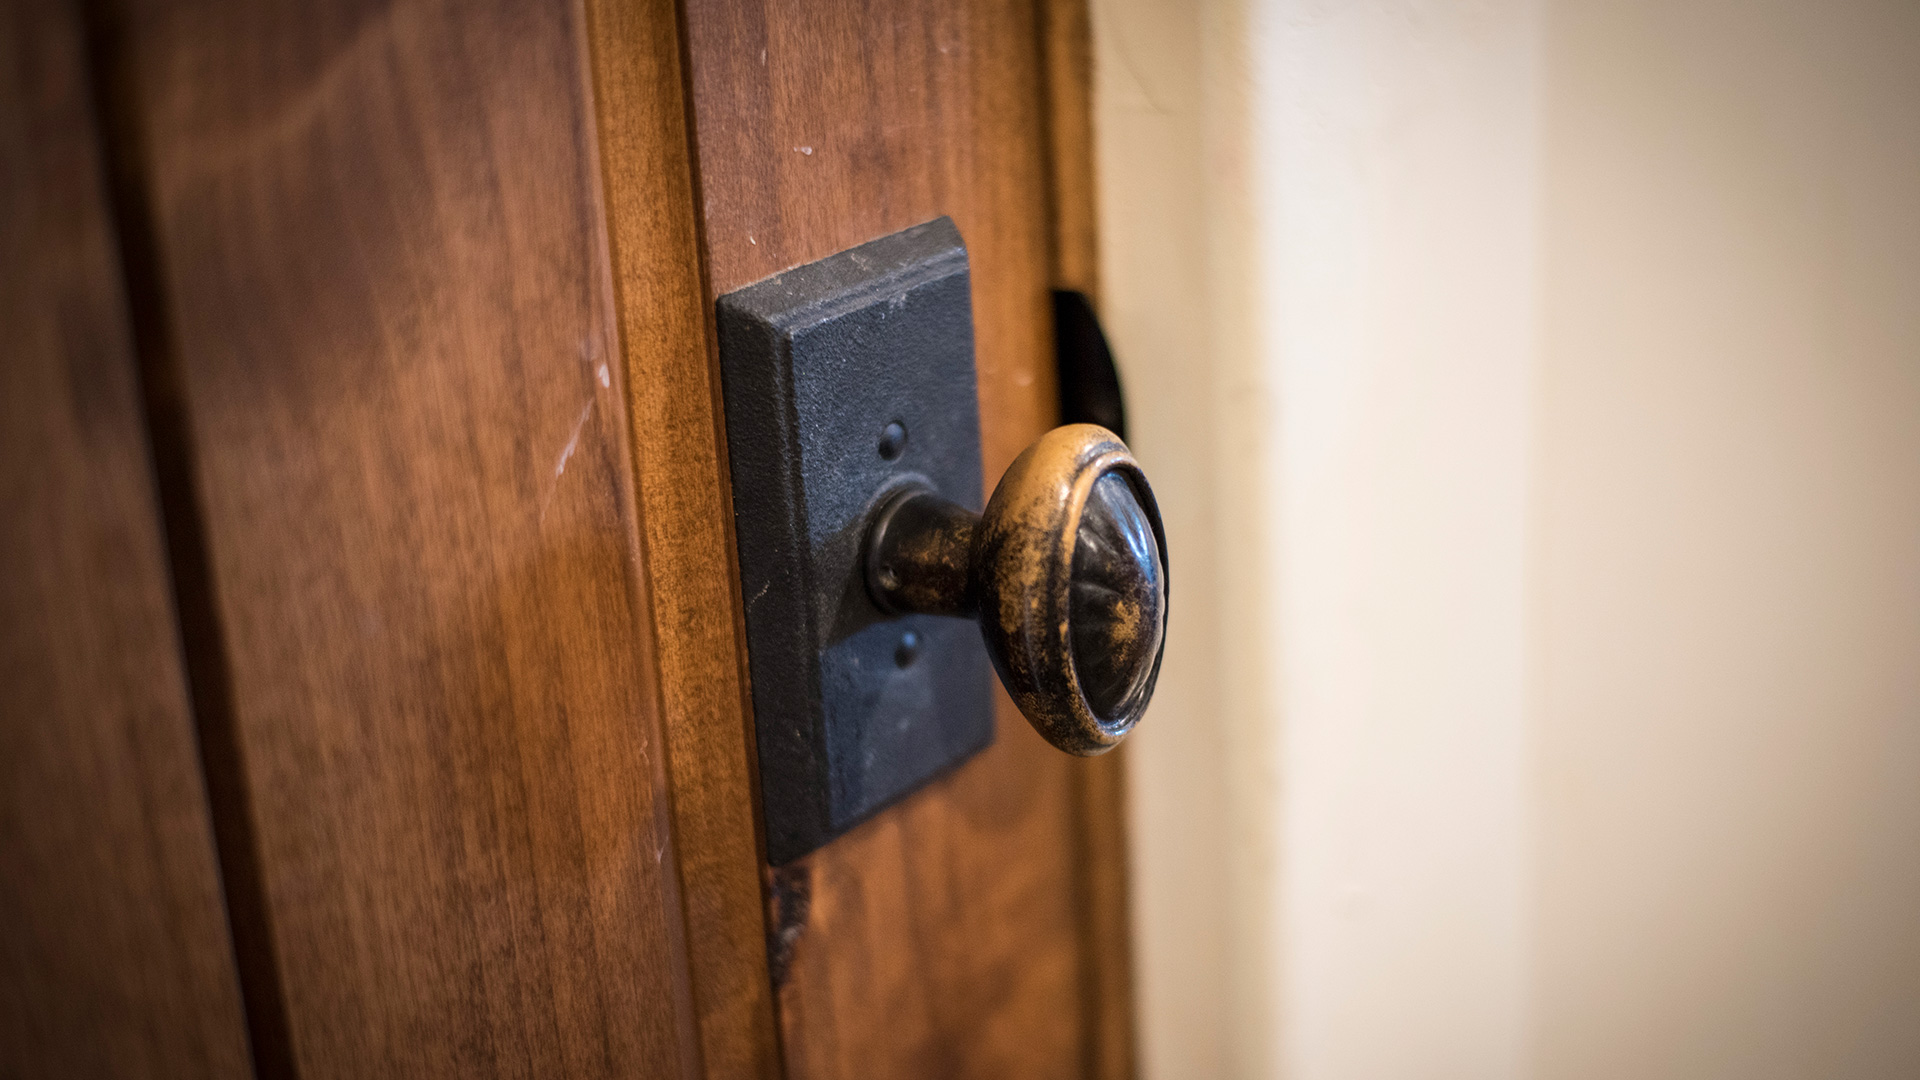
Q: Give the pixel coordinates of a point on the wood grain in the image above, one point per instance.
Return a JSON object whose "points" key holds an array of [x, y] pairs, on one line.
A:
{"points": [[943, 938], [686, 519], [114, 956], [381, 256], [1066, 42]]}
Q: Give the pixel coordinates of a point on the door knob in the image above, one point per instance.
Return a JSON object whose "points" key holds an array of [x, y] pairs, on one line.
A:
{"points": [[1065, 570], [853, 443]]}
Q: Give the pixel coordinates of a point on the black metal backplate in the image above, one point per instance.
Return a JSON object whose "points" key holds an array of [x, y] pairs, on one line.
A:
{"points": [[852, 709]]}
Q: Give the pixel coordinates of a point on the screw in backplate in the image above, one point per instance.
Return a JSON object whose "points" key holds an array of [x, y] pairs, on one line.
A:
{"points": [[907, 650]]}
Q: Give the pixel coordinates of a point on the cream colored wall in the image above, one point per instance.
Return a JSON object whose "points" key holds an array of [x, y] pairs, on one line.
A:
{"points": [[1726, 724], [1533, 388]]}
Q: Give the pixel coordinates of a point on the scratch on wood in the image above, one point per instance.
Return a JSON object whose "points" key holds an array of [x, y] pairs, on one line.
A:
{"points": [[573, 441], [566, 452]]}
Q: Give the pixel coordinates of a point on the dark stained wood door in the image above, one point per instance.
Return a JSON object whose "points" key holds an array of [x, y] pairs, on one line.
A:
{"points": [[954, 935], [422, 296], [379, 261], [114, 956]]}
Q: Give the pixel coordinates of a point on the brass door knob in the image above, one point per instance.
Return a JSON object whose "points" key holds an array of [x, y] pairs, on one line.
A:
{"points": [[1066, 571]]}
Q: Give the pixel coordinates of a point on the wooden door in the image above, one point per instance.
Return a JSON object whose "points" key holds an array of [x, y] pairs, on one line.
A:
{"points": [[423, 296], [957, 934], [114, 956]]}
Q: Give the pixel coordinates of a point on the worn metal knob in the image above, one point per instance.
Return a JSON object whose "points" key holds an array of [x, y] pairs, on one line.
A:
{"points": [[1066, 571]]}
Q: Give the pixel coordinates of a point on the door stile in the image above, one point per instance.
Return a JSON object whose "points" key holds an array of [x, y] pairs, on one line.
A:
{"points": [[685, 515]]}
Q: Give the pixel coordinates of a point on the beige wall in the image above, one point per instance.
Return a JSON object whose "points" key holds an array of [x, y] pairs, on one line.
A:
{"points": [[1727, 557], [1534, 393]]}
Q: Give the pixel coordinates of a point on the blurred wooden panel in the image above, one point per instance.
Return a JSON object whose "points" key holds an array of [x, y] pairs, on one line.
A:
{"points": [[114, 956], [686, 519], [382, 265], [945, 936], [1066, 41]]}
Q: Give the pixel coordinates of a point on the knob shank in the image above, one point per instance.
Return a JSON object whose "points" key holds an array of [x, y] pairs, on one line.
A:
{"points": [[919, 553]]}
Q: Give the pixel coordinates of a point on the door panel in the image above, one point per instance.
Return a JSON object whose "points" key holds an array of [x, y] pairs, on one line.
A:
{"points": [[424, 297], [114, 954], [940, 938], [382, 265], [686, 519]]}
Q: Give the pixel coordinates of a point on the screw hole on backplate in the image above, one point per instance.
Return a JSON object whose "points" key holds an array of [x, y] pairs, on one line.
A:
{"points": [[893, 440]]}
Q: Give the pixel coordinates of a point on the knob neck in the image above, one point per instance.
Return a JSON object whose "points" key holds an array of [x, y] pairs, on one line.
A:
{"points": [[918, 553]]}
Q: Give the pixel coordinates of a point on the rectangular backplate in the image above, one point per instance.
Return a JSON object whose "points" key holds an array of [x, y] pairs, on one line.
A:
{"points": [[852, 709]]}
